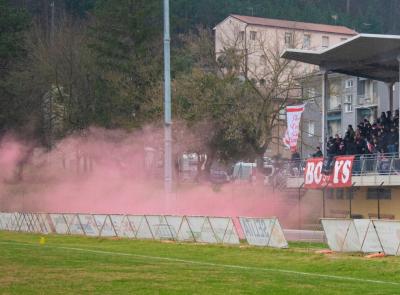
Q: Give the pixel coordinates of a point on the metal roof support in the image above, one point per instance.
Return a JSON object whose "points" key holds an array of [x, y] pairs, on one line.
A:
{"points": [[390, 88], [351, 196], [398, 60], [300, 221], [324, 97], [379, 200]]}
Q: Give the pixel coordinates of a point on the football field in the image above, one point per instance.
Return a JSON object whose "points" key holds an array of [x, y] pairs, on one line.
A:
{"points": [[80, 265]]}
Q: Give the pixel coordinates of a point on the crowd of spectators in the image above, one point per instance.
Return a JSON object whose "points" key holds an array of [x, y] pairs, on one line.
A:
{"points": [[382, 136]]}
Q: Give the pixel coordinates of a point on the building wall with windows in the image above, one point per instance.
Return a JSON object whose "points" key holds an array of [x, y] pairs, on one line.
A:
{"points": [[350, 100], [364, 202], [257, 39]]}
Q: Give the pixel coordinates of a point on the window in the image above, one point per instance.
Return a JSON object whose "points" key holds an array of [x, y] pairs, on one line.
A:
{"points": [[325, 41], [311, 128], [348, 103], [350, 194], [282, 114], [288, 39], [330, 193], [311, 92], [349, 99], [379, 193], [262, 82], [360, 87], [253, 35], [241, 36], [349, 83], [339, 194], [348, 108], [307, 41]]}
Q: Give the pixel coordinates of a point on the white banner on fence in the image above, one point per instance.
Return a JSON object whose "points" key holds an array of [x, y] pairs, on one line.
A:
{"points": [[342, 235], [16, 221], [5, 219], [74, 226], [45, 223], [140, 226], [224, 230], [122, 226], [105, 226], [201, 229], [59, 223], [89, 225], [388, 232], [175, 224], [263, 232], [367, 236], [160, 227]]}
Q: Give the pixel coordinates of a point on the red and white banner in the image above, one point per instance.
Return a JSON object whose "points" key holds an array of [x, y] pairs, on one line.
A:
{"points": [[293, 114], [340, 176]]}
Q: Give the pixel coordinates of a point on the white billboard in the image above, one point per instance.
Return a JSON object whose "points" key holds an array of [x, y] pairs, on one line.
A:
{"points": [[202, 229], [367, 235], [105, 226], [263, 232], [59, 223], [73, 223], [180, 228], [89, 225], [342, 235], [122, 226], [224, 230], [140, 227], [160, 228], [388, 232]]}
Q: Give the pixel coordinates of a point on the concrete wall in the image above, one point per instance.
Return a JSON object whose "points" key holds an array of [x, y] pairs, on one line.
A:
{"points": [[365, 208]]}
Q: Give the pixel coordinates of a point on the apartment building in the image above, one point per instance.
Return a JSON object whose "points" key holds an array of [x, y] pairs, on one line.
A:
{"points": [[350, 100], [260, 41]]}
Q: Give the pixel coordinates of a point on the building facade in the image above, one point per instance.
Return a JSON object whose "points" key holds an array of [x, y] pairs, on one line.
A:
{"points": [[350, 100], [259, 42]]}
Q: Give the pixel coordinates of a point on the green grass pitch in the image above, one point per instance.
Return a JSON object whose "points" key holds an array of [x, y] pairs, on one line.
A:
{"points": [[79, 265]]}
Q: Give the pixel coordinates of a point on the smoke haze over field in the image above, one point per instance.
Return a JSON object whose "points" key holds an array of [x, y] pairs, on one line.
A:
{"points": [[103, 172]]}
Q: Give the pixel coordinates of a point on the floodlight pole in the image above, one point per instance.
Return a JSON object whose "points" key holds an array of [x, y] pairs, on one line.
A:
{"points": [[167, 104]]}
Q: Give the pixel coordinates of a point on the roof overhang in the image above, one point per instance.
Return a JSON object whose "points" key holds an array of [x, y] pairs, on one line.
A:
{"points": [[366, 55]]}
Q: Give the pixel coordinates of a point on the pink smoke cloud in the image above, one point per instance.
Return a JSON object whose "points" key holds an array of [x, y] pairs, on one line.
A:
{"points": [[104, 172]]}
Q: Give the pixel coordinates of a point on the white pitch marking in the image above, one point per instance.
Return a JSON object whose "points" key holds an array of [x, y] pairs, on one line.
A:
{"points": [[284, 271]]}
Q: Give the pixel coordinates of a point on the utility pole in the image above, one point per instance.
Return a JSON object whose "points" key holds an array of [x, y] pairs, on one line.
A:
{"points": [[52, 4], [167, 104]]}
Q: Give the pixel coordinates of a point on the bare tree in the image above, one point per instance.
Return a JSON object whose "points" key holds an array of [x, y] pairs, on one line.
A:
{"points": [[242, 96]]}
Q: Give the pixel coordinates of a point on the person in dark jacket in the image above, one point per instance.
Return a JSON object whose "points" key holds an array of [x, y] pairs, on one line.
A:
{"points": [[391, 139], [361, 146], [318, 153], [342, 149]]}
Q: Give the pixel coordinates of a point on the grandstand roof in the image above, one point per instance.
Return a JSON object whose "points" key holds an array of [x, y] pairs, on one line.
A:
{"points": [[370, 56]]}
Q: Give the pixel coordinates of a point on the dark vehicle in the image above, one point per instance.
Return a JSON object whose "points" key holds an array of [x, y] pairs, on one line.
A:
{"points": [[219, 176]]}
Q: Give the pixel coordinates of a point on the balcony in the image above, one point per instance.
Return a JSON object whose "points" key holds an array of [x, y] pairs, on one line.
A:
{"points": [[363, 100], [368, 170], [334, 107]]}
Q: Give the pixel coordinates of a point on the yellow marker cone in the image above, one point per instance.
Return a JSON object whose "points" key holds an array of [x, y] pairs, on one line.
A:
{"points": [[42, 241]]}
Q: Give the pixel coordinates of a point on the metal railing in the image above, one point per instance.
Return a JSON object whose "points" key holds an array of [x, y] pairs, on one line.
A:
{"points": [[368, 164]]}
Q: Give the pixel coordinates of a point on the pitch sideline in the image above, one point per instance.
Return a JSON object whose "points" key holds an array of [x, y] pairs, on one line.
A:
{"points": [[232, 266]]}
